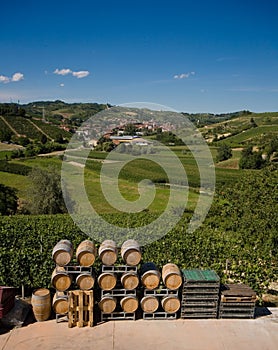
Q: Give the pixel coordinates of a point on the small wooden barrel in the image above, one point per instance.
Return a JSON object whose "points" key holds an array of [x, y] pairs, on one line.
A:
{"points": [[171, 276], [85, 281], [131, 252], [108, 252], [60, 303], [86, 253], [129, 303], [60, 279], [150, 276], [107, 280], [107, 304], [171, 304], [41, 304], [149, 303], [62, 252], [130, 280]]}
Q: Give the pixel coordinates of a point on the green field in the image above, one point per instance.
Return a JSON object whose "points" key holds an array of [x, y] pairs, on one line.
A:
{"points": [[131, 174]]}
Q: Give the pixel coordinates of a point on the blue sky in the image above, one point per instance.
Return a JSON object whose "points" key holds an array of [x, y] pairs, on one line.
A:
{"points": [[193, 56]]}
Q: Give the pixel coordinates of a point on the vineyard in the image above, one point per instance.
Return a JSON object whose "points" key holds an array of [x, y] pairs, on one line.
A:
{"points": [[23, 127], [238, 239]]}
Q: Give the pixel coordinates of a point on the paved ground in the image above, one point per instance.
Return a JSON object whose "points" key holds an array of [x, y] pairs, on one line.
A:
{"points": [[258, 334]]}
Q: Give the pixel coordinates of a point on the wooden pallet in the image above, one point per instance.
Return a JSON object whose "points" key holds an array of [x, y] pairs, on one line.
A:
{"points": [[238, 299], [237, 293], [81, 304]]}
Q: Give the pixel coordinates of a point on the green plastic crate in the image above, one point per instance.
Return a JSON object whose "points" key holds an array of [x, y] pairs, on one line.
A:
{"points": [[197, 275]]}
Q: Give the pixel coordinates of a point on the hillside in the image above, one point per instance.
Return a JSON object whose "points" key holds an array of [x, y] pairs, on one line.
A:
{"points": [[248, 129]]}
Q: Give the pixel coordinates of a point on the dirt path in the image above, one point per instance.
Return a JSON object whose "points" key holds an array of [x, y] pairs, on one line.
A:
{"points": [[40, 130]]}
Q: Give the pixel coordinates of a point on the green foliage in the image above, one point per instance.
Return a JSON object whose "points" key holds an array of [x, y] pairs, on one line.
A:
{"points": [[168, 138], [250, 159], [14, 168], [241, 227], [45, 195], [224, 152], [8, 200]]}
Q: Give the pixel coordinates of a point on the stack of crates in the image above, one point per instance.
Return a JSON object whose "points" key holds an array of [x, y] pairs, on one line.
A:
{"points": [[200, 294], [237, 301], [121, 302]]}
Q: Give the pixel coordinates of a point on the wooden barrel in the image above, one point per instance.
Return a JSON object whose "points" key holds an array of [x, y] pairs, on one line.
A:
{"points": [[86, 253], [107, 280], [150, 276], [62, 252], [107, 304], [149, 303], [130, 280], [131, 252], [108, 252], [60, 279], [85, 281], [60, 303], [171, 303], [41, 304], [171, 276], [129, 303]]}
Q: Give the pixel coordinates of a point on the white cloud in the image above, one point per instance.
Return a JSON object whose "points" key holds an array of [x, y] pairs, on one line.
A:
{"points": [[17, 77], [63, 71], [81, 74], [4, 79], [183, 75], [62, 84]]}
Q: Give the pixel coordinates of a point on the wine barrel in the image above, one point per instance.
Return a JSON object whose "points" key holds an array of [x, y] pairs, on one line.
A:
{"points": [[108, 252], [130, 280], [149, 303], [107, 280], [62, 252], [60, 279], [86, 253], [60, 303], [129, 303], [131, 252], [107, 304], [171, 276], [85, 281], [170, 303], [41, 304], [150, 276]]}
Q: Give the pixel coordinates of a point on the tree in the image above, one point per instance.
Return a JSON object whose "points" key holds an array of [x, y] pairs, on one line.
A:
{"points": [[8, 200], [253, 123], [250, 159], [224, 152], [45, 195], [43, 139]]}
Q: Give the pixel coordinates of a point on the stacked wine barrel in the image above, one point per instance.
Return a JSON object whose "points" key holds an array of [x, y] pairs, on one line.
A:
{"points": [[67, 276], [160, 299], [118, 283]]}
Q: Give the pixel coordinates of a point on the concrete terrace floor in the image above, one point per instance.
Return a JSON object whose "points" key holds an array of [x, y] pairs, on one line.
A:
{"points": [[212, 334]]}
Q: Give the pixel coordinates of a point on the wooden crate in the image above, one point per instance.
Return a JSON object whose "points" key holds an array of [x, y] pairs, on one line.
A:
{"points": [[81, 305]]}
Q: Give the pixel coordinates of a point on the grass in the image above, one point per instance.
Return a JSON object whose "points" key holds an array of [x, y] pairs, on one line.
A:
{"points": [[19, 182], [131, 174]]}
